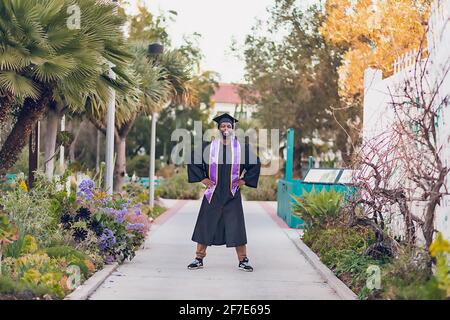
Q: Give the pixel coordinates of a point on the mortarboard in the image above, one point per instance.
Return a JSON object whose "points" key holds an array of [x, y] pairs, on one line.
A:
{"points": [[225, 118]]}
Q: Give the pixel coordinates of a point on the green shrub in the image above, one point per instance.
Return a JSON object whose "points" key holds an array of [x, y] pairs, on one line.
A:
{"points": [[21, 165], [341, 248], [36, 212], [32, 214], [14, 249], [72, 256], [166, 171], [29, 245], [133, 189], [139, 193], [439, 250], [8, 231], [417, 289], [38, 270], [178, 187], [21, 289], [339, 238], [139, 165], [352, 267], [317, 209], [76, 166], [344, 250], [8, 285], [408, 277], [152, 213], [266, 191]]}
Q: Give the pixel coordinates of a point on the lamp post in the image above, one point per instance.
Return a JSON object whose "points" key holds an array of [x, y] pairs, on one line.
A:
{"points": [[151, 179], [154, 50], [110, 127]]}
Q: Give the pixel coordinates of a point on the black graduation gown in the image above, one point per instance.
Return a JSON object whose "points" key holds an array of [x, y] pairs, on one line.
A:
{"points": [[222, 221]]}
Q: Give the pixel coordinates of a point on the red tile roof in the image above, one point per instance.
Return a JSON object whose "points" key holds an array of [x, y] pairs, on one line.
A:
{"points": [[227, 93]]}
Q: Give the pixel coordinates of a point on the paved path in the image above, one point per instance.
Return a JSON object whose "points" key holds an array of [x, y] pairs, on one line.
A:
{"points": [[159, 270]]}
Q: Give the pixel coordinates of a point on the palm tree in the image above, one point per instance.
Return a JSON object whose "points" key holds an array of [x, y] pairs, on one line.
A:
{"points": [[43, 62], [162, 80]]}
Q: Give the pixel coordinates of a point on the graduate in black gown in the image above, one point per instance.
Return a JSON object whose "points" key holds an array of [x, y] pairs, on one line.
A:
{"points": [[221, 218]]}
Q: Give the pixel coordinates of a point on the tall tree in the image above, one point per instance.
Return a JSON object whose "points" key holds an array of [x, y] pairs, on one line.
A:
{"points": [[174, 116], [43, 61], [374, 33], [294, 71], [161, 81]]}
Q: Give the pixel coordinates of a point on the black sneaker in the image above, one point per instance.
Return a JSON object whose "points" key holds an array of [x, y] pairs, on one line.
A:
{"points": [[196, 264], [245, 266]]}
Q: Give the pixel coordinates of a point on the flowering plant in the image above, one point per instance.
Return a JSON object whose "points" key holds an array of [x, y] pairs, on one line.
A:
{"points": [[120, 226], [38, 269], [440, 249], [61, 229], [8, 231], [86, 189]]}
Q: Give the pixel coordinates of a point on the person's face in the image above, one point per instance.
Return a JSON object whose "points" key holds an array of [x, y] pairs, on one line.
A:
{"points": [[226, 128]]}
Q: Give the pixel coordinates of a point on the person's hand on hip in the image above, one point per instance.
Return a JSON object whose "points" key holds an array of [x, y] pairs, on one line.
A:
{"points": [[207, 182]]}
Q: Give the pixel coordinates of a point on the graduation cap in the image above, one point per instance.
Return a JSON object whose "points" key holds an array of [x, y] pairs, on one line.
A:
{"points": [[225, 117]]}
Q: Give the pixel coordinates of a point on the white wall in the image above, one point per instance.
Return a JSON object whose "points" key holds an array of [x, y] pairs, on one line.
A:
{"points": [[378, 114], [438, 39]]}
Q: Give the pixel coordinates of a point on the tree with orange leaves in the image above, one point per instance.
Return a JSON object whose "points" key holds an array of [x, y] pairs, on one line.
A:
{"points": [[375, 33]]}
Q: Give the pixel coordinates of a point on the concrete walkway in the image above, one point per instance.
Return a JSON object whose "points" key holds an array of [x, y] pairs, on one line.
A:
{"points": [[159, 270]]}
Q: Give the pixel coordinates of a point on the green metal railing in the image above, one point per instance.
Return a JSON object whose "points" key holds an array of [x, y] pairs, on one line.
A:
{"points": [[145, 180], [289, 186]]}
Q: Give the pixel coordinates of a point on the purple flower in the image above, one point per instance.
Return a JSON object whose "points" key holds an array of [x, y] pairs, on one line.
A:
{"points": [[87, 195], [137, 209], [135, 226], [126, 204], [109, 211], [86, 187], [107, 240], [120, 215], [87, 184], [110, 259]]}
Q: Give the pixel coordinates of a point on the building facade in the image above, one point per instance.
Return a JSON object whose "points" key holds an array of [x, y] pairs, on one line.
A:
{"points": [[226, 99]]}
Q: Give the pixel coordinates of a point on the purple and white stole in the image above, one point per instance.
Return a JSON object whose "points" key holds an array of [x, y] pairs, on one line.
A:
{"points": [[213, 166]]}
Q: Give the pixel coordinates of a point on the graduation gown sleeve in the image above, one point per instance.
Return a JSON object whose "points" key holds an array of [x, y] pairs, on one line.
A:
{"points": [[252, 169], [196, 169]]}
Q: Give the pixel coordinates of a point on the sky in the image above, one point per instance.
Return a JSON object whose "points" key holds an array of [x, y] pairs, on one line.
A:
{"points": [[218, 22]]}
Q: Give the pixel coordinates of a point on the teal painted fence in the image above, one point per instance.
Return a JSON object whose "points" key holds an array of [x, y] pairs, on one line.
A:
{"points": [[289, 187], [145, 180], [11, 177], [285, 202]]}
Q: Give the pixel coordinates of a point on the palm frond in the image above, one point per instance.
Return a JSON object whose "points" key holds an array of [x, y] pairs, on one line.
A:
{"points": [[18, 85], [12, 59], [54, 68]]}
